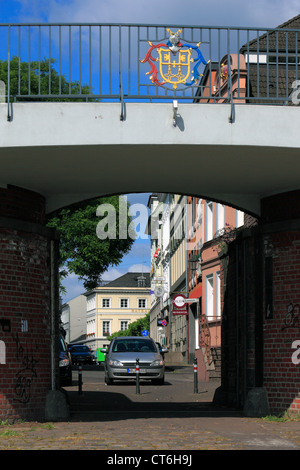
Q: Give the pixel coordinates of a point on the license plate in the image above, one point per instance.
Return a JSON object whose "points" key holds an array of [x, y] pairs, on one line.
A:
{"points": [[132, 371]]}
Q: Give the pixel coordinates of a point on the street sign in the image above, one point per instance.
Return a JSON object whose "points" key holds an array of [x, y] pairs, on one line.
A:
{"points": [[179, 301], [179, 305], [145, 333], [180, 311]]}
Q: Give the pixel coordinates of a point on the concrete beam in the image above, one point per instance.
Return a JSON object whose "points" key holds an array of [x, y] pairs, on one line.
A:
{"points": [[73, 151]]}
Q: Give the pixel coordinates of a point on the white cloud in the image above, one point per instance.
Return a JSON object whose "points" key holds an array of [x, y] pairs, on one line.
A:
{"points": [[268, 13], [139, 268], [112, 273]]}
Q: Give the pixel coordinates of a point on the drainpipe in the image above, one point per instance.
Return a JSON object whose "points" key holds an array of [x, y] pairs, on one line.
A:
{"points": [[52, 313], [237, 320], [187, 281], [245, 318]]}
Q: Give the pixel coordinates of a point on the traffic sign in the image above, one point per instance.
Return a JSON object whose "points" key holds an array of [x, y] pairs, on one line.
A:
{"points": [[179, 301], [145, 333], [164, 322], [179, 305]]}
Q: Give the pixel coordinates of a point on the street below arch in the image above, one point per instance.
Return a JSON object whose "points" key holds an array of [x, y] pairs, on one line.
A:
{"points": [[164, 420]]}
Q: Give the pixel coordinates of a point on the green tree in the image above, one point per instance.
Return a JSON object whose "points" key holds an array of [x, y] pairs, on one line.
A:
{"points": [[82, 252], [135, 328], [39, 78]]}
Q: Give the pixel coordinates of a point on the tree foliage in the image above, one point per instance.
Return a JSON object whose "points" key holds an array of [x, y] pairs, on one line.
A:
{"points": [[39, 78], [135, 328], [81, 251]]}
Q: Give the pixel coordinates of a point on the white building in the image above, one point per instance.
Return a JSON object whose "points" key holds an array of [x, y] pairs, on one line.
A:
{"points": [[73, 319]]}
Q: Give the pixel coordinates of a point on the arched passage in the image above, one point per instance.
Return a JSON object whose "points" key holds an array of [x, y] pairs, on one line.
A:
{"points": [[62, 153]]}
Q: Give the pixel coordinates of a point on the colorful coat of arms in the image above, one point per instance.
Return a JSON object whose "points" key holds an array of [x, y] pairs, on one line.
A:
{"points": [[176, 62]]}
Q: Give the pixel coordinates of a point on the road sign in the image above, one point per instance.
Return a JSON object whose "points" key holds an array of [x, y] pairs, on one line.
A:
{"points": [[179, 305], [180, 311], [164, 322], [179, 301], [145, 333]]}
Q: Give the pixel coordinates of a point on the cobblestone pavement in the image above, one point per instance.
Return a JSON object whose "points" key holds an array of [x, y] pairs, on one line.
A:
{"points": [[160, 419]]}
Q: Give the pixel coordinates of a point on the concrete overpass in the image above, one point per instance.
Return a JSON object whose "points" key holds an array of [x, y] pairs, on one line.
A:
{"points": [[69, 152]]}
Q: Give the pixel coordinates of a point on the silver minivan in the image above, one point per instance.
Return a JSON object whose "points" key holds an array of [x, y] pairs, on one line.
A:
{"points": [[122, 355]]}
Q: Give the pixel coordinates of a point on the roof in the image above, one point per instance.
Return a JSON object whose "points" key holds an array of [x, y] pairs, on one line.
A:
{"points": [[130, 280], [273, 40], [270, 83], [276, 79]]}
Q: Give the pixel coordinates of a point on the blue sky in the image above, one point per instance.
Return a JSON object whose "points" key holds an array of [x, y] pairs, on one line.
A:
{"points": [[257, 13]]}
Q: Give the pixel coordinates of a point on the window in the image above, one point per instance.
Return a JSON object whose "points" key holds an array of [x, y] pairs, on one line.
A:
{"points": [[239, 218], [105, 303], [141, 281], [142, 303], [218, 300], [220, 216], [209, 220], [106, 328], [91, 302], [210, 297], [124, 303], [124, 325], [91, 328]]}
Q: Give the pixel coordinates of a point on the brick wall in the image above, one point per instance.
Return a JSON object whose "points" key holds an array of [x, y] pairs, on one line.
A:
{"points": [[282, 330], [260, 336], [22, 204], [25, 305]]}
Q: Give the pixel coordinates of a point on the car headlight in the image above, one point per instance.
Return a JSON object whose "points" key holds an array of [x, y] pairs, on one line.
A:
{"points": [[115, 363], [64, 362], [157, 363]]}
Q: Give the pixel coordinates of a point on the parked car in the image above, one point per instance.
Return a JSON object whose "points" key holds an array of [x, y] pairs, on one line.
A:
{"points": [[81, 354], [123, 351], [65, 363]]}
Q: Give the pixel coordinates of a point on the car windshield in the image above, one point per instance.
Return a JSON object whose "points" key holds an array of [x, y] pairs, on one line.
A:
{"points": [[80, 349], [62, 347], [134, 345]]}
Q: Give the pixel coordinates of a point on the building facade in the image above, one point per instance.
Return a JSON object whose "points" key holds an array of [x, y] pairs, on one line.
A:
{"points": [[113, 307], [73, 319], [187, 236], [159, 228], [212, 226]]}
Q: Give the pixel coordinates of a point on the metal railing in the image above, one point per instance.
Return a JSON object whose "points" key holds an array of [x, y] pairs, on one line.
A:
{"points": [[104, 62]]}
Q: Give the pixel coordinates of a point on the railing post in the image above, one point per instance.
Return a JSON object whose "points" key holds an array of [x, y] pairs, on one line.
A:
{"points": [[195, 376], [122, 115], [137, 376], [231, 118], [80, 380]]}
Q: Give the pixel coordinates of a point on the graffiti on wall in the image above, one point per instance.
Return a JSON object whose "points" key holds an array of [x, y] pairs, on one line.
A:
{"points": [[292, 320], [27, 371], [292, 317]]}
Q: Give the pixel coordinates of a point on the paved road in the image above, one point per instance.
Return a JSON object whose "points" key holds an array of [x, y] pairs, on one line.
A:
{"points": [[161, 420]]}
